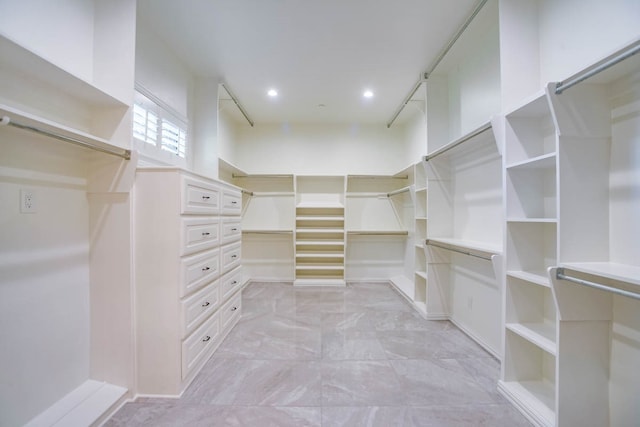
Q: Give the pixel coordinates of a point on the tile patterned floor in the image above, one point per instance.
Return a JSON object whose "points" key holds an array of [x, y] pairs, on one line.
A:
{"points": [[353, 356]]}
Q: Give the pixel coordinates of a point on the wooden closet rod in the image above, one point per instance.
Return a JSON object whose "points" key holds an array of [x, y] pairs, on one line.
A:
{"points": [[123, 153], [430, 243], [598, 67], [561, 276], [454, 144]]}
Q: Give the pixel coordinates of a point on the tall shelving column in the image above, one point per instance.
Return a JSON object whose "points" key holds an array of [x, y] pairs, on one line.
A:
{"points": [[420, 236], [319, 232], [599, 205], [268, 222], [530, 343], [376, 226]]}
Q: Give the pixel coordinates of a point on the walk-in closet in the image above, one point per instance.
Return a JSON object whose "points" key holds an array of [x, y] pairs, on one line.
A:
{"points": [[399, 213]]}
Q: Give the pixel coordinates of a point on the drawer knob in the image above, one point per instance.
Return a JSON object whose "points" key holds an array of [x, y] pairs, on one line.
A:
{"points": [[205, 339], [234, 256], [206, 269], [206, 233], [235, 282], [234, 202], [234, 308], [205, 197], [206, 304], [234, 229]]}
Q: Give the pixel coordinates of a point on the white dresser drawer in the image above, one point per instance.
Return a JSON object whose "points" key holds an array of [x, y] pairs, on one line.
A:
{"points": [[199, 197], [199, 234], [198, 270], [230, 312], [231, 256], [231, 230], [199, 306], [230, 282], [231, 202], [199, 344]]}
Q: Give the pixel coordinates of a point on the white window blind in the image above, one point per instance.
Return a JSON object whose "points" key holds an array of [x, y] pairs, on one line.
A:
{"points": [[158, 133]]}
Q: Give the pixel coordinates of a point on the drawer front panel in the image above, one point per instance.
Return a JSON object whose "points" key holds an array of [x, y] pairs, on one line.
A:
{"points": [[231, 230], [199, 306], [198, 270], [231, 202], [198, 345], [230, 312], [231, 256], [230, 282], [199, 197], [199, 234]]}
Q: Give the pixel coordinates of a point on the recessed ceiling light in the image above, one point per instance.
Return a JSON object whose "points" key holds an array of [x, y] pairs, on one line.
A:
{"points": [[272, 93], [368, 94]]}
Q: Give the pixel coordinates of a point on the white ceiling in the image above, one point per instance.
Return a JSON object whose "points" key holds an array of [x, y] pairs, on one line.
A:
{"points": [[312, 51]]}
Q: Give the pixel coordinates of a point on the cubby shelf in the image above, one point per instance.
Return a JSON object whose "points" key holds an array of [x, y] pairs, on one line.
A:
{"points": [[537, 277], [542, 334], [539, 396]]}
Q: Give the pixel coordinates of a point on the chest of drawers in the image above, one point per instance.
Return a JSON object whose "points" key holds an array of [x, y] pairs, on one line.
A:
{"points": [[188, 274]]}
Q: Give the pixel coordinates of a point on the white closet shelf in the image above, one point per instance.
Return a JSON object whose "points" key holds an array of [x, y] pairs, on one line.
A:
{"points": [[267, 231], [420, 218], [24, 63], [538, 395], [273, 194], [533, 107], [320, 267], [610, 270], [319, 243], [83, 406], [320, 218], [546, 220], [476, 133], [422, 274], [542, 334], [377, 232], [545, 161], [473, 245], [312, 205], [538, 277], [319, 230], [421, 189], [319, 255], [404, 285], [41, 123]]}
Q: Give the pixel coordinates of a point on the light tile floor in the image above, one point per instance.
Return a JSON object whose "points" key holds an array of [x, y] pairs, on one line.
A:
{"points": [[353, 356]]}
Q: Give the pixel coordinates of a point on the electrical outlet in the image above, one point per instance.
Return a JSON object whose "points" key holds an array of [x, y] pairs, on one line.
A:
{"points": [[28, 201]]}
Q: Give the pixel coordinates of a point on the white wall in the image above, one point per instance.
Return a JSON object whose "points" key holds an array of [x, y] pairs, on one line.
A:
{"points": [[226, 132], [64, 33], [576, 33], [160, 71], [311, 149], [44, 275]]}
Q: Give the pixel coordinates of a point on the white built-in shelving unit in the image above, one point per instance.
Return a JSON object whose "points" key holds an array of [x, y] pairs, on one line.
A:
{"points": [[571, 193], [376, 225], [463, 240], [268, 223], [82, 98], [319, 235]]}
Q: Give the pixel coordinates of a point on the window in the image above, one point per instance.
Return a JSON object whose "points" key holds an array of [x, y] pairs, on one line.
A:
{"points": [[158, 133]]}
